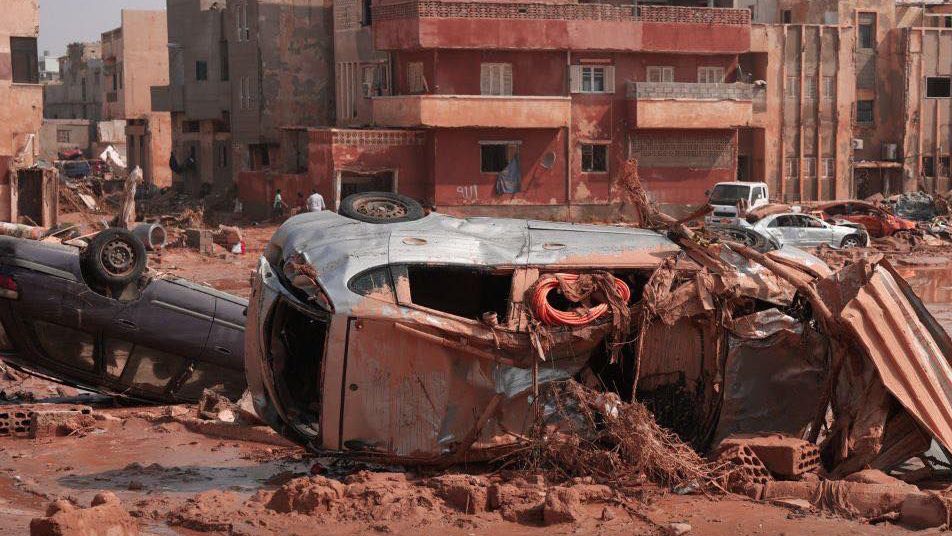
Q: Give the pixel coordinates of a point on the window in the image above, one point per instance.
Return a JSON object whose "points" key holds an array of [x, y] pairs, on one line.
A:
{"points": [[928, 166], [83, 89], [791, 87], [241, 21], [375, 283], [864, 112], [594, 158], [809, 167], [791, 168], [191, 126], [710, 75], [938, 87], [366, 18], [867, 31], [62, 136], [416, 82], [223, 60], [947, 22], [661, 74], [495, 79], [222, 156], [809, 88], [376, 80], [116, 354], [65, 345], [24, 59], [153, 369], [786, 17], [201, 70], [464, 292], [587, 78], [495, 155], [944, 164], [829, 168], [246, 93], [121, 81], [829, 87]]}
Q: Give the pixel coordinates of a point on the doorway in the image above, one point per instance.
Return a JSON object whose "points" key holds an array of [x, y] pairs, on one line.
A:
{"points": [[358, 182], [30, 196]]}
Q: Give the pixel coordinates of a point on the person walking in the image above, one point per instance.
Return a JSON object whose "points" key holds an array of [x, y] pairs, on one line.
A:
{"points": [[278, 207], [315, 203]]}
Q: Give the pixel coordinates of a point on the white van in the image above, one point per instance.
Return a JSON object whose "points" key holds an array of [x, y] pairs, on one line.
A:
{"points": [[726, 196]]}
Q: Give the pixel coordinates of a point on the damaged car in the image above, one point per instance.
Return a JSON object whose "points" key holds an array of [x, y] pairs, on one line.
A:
{"points": [[94, 317], [427, 341]]}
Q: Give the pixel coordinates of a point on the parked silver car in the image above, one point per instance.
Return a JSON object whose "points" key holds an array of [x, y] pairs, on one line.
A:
{"points": [[804, 230]]}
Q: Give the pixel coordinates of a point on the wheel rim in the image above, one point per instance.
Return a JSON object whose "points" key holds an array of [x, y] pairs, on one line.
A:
{"points": [[380, 208], [850, 243], [118, 257]]}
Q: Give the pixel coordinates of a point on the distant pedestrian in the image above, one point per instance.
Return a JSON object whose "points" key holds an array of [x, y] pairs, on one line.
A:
{"points": [[278, 207], [315, 203]]}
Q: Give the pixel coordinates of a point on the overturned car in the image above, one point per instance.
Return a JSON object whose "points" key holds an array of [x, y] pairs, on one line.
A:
{"points": [[427, 341]]}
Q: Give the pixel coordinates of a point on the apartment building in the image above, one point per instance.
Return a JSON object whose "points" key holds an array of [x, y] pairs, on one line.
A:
{"points": [[78, 91], [27, 193], [135, 58], [241, 71], [529, 108]]}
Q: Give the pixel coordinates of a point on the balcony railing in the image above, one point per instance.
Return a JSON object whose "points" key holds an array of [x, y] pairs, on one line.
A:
{"points": [[690, 91], [540, 11]]}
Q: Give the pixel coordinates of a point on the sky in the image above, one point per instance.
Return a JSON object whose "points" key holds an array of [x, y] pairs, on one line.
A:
{"points": [[68, 21]]}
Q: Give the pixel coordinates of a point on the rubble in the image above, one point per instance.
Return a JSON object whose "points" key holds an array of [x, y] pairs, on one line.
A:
{"points": [[105, 515]]}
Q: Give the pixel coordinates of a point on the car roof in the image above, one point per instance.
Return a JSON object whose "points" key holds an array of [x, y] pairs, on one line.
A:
{"points": [[339, 248], [741, 183]]}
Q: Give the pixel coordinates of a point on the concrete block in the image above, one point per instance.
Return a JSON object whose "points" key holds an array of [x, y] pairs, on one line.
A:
{"points": [[786, 457], [200, 239]]}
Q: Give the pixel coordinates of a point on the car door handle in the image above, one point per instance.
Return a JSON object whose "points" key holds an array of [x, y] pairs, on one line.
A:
{"points": [[126, 324], [222, 350]]}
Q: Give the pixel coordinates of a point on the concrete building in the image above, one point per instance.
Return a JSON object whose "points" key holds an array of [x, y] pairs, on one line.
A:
{"points": [[242, 70], [26, 193], [135, 58], [78, 93]]}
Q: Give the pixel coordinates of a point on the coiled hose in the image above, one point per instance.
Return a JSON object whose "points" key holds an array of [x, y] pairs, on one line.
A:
{"points": [[549, 315]]}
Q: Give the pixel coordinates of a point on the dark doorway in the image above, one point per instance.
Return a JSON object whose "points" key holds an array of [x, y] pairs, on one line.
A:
{"points": [[743, 167], [867, 182], [30, 196], [352, 182]]}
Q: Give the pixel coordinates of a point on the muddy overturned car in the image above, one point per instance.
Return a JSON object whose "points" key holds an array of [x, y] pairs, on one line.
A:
{"points": [[428, 341]]}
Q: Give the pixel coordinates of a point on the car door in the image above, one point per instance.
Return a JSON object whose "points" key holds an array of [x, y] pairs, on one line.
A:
{"points": [[815, 232], [789, 228], [221, 365]]}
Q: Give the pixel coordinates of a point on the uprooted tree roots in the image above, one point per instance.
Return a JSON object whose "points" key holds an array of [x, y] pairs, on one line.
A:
{"points": [[586, 433]]}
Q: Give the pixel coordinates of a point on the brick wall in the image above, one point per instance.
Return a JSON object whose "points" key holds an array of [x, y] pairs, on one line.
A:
{"points": [[713, 150]]}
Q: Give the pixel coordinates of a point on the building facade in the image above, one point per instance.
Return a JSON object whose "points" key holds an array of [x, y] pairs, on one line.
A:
{"points": [[135, 58], [241, 71], [78, 92]]}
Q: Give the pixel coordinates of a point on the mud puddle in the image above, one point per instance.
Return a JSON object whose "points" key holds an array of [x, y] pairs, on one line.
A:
{"points": [[933, 284]]}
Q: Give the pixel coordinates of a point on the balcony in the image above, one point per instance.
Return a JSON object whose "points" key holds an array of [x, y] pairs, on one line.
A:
{"points": [[666, 104], [168, 99], [434, 24], [452, 111]]}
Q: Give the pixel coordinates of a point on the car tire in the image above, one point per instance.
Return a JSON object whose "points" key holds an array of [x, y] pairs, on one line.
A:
{"points": [[381, 207], [850, 242], [114, 257]]}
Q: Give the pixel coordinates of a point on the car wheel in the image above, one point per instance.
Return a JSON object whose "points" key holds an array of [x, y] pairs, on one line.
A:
{"points": [[850, 242], [381, 207], [114, 257]]}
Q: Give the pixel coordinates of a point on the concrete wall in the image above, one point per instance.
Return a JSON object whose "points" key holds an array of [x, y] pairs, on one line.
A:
{"points": [[79, 91], [353, 50], [81, 134], [21, 105]]}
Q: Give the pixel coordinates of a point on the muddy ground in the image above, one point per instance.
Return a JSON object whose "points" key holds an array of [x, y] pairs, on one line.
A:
{"points": [[173, 480]]}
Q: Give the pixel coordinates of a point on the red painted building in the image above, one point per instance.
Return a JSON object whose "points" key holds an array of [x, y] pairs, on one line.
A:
{"points": [[527, 109]]}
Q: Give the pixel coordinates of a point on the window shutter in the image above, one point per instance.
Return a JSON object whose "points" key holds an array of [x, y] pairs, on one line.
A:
{"points": [[484, 75], [667, 74], [575, 78], [506, 79], [609, 79]]}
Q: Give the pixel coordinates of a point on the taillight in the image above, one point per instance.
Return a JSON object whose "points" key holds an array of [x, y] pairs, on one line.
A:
{"points": [[8, 287]]}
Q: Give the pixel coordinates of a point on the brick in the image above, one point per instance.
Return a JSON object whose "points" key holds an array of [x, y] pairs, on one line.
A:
{"points": [[59, 421], [786, 457]]}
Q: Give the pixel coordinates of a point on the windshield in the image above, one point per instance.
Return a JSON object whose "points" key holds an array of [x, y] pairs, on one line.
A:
{"points": [[729, 194]]}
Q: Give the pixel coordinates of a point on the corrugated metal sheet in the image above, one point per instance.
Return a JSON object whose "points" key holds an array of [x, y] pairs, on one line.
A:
{"points": [[911, 359]]}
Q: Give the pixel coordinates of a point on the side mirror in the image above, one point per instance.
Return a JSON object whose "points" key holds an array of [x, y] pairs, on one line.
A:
{"points": [[707, 193]]}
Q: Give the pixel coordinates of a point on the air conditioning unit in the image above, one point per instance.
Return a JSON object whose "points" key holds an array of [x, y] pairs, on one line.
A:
{"points": [[891, 152], [857, 144]]}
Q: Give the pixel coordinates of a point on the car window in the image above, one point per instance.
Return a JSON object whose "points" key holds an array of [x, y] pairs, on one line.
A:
{"points": [[375, 283], [784, 221], [211, 376], [811, 222], [153, 369], [116, 354], [66, 345], [837, 210], [461, 291], [729, 194]]}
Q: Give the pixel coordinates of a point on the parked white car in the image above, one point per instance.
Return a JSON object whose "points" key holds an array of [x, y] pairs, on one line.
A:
{"points": [[804, 230]]}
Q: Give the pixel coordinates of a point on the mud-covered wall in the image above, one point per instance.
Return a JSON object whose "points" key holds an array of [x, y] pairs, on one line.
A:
{"points": [[927, 52]]}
